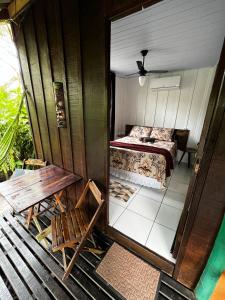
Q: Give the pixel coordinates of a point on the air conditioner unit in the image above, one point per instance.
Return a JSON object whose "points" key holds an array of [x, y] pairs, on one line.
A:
{"points": [[165, 83]]}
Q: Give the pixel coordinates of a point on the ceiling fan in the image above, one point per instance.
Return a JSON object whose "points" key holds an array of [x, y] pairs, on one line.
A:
{"points": [[142, 71]]}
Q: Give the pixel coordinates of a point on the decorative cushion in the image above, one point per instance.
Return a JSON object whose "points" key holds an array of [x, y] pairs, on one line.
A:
{"points": [[162, 134], [140, 131]]}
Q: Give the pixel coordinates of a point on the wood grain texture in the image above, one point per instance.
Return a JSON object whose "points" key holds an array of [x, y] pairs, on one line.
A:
{"points": [[95, 42], [207, 203], [95, 95], [34, 64], [48, 40], [26, 76], [45, 67], [27, 190]]}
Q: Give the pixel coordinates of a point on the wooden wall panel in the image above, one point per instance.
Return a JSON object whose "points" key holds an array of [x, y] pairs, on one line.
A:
{"points": [[55, 43], [71, 41], [208, 202], [19, 39], [45, 67], [48, 41], [180, 108], [36, 77], [95, 65]]}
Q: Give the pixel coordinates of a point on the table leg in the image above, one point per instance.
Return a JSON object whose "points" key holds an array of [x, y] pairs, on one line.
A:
{"points": [[182, 157], [58, 200], [29, 216], [189, 159], [38, 226]]}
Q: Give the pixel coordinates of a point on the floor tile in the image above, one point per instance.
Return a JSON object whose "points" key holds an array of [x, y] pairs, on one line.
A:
{"points": [[152, 193], [134, 226], [168, 216], [160, 241], [144, 206], [182, 170], [178, 187], [114, 212], [174, 199], [181, 178]]}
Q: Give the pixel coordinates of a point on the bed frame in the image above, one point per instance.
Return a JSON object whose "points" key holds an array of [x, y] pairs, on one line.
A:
{"points": [[179, 135]]}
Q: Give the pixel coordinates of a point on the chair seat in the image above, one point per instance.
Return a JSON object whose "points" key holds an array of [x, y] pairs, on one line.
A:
{"points": [[68, 228]]}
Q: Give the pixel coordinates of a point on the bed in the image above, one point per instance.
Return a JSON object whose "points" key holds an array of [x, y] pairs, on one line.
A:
{"points": [[144, 162]]}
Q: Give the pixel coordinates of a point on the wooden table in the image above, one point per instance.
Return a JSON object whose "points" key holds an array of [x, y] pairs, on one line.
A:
{"points": [[25, 191]]}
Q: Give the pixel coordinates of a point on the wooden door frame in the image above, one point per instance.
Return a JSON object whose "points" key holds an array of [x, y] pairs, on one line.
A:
{"points": [[147, 254], [212, 123]]}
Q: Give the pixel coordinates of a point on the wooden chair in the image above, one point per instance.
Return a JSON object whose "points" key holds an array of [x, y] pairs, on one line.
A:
{"points": [[28, 166], [34, 163], [71, 229]]}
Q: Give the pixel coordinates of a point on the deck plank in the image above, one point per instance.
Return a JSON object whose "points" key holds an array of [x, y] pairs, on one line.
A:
{"points": [[83, 283], [26, 273], [4, 292], [36, 266], [18, 286], [44, 257], [92, 287]]}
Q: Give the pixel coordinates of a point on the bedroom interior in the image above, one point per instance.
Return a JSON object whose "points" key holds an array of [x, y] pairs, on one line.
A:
{"points": [[159, 114]]}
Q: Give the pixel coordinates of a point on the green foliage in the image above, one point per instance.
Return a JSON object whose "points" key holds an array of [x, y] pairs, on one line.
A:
{"points": [[15, 136]]}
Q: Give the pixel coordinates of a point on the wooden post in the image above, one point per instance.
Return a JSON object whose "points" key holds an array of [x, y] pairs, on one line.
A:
{"points": [[17, 6]]}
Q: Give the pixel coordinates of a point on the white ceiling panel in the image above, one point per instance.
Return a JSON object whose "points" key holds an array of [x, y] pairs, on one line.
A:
{"points": [[180, 35]]}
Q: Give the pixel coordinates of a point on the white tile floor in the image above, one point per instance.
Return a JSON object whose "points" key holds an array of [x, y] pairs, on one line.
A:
{"points": [[151, 216]]}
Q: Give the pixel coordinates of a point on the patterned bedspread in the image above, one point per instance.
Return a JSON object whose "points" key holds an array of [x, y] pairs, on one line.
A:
{"points": [[148, 164]]}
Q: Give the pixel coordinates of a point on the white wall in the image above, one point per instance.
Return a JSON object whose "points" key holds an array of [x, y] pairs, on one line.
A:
{"points": [[180, 108]]}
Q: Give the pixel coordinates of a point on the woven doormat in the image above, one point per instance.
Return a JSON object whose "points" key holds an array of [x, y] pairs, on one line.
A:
{"points": [[129, 275], [120, 191]]}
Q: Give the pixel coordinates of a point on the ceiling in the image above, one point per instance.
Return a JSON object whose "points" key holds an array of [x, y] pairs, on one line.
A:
{"points": [[180, 35]]}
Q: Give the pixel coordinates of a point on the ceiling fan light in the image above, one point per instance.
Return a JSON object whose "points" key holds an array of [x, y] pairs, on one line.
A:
{"points": [[141, 80]]}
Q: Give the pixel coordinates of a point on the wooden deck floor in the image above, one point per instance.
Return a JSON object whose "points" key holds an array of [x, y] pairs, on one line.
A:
{"points": [[29, 271]]}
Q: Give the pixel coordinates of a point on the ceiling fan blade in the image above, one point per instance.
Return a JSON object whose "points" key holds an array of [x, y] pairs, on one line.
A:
{"points": [[140, 65], [132, 74], [158, 71]]}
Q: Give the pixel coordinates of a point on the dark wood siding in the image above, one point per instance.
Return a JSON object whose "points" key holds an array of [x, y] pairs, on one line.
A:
{"points": [[94, 64], [48, 41], [207, 211]]}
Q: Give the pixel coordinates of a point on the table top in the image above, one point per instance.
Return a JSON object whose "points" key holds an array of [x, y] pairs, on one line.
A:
{"points": [[27, 190]]}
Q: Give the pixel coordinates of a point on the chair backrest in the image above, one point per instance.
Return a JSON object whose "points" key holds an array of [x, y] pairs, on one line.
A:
{"points": [[91, 186], [34, 163]]}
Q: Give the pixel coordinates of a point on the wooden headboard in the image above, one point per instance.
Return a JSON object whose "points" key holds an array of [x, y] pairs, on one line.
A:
{"points": [[179, 135]]}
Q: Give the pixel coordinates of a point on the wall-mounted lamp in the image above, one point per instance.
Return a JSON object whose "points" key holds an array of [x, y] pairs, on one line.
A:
{"points": [[60, 104], [141, 80]]}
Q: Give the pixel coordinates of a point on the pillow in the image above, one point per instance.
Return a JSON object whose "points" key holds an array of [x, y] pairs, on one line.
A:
{"points": [[162, 134], [140, 131]]}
